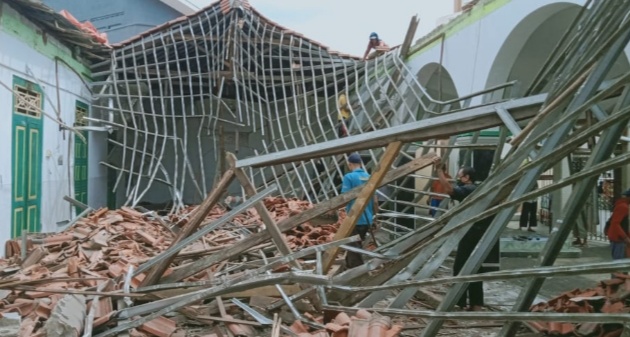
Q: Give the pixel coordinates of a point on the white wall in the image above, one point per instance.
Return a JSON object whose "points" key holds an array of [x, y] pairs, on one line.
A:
{"points": [[58, 152], [480, 49], [470, 51]]}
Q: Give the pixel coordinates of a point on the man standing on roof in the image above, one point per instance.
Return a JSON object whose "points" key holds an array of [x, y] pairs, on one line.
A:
{"points": [[465, 186], [375, 43], [358, 177], [618, 231]]}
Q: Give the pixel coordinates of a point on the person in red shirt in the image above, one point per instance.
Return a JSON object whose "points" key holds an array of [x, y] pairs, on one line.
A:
{"points": [[618, 230], [436, 187]]}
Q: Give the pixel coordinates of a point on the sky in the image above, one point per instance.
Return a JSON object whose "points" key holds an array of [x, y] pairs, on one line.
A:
{"points": [[345, 25]]}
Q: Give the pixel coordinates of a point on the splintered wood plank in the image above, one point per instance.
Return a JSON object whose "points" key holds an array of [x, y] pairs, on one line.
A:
{"points": [[365, 196], [161, 326], [197, 218], [267, 291], [34, 257], [272, 228]]}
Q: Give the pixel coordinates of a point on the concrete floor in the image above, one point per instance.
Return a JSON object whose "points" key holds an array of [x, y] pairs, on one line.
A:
{"points": [[595, 251], [9, 325]]}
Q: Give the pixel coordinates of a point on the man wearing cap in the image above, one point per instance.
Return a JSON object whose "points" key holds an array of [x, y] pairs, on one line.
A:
{"points": [[376, 43], [357, 177], [618, 230]]}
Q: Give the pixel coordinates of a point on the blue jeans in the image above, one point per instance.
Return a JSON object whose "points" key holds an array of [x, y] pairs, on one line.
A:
{"points": [[434, 203], [618, 250]]}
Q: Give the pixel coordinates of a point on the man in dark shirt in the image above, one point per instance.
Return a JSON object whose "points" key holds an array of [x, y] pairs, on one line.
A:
{"points": [[464, 187]]}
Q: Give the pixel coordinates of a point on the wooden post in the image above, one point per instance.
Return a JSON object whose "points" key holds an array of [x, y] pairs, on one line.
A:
{"points": [[411, 32], [199, 215], [366, 195], [250, 190], [457, 6], [272, 227]]}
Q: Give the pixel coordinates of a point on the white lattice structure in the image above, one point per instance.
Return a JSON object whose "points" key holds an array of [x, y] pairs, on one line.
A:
{"points": [[227, 78]]}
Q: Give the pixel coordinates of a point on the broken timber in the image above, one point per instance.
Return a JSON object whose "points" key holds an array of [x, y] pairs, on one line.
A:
{"points": [[197, 218], [365, 196], [250, 191]]}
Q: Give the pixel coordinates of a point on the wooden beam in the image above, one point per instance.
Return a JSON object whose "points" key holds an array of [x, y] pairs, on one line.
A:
{"points": [[270, 224], [269, 291], [365, 196], [199, 215], [291, 222], [212, 319], [411, 32]]}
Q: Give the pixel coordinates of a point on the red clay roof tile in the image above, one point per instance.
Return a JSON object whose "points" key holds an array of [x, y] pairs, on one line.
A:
{"points": [[539, 326], [161, 327], [394, 331]]}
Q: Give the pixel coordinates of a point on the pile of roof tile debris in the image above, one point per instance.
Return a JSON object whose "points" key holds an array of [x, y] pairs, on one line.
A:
{"points": [[610, 296], [75, 280], [361, 324], [86, 27]]}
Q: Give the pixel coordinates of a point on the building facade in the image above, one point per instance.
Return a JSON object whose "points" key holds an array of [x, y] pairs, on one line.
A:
{"points": [[502, 42], [44, 95]]}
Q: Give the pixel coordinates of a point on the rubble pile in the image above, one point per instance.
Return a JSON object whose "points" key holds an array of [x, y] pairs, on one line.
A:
{"points": [[610, 296], [84, 267], [361, 324]]}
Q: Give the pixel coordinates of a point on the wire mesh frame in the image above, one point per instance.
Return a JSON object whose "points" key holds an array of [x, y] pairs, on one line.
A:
{"points": [[286, 89]]}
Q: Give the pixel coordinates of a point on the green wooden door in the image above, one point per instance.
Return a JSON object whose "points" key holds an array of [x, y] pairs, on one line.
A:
{"points": [[26, 156], [80, 156]]}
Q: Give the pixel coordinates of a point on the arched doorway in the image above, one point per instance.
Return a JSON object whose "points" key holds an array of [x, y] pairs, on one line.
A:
{"points": [[520, 58], [531, 42], [437, 82], [439, 85]]}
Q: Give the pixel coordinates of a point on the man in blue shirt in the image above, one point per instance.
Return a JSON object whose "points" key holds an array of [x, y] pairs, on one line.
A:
{"points": [[357, 177]]}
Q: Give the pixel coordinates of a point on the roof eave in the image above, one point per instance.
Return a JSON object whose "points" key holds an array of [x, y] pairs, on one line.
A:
{"points": [[181, 6]]}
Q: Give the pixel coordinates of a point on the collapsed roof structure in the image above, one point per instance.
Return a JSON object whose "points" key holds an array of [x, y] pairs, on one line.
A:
{"points": [[180, 97], [84, 42]]}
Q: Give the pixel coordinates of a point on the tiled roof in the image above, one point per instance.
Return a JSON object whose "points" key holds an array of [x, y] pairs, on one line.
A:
{"points": [[87, 44]]}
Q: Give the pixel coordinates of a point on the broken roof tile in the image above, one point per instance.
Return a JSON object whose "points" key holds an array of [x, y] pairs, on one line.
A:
{"points": [[161, 327], [298, 327]]}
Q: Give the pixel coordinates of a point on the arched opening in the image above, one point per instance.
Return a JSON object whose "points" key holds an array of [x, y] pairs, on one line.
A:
{"points": [[531, 42], [439, 85], [520, 58], [437, 81]]}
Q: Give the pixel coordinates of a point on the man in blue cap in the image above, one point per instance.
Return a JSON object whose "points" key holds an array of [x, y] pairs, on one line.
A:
{"points": [[357, 177], [375, 43]]}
